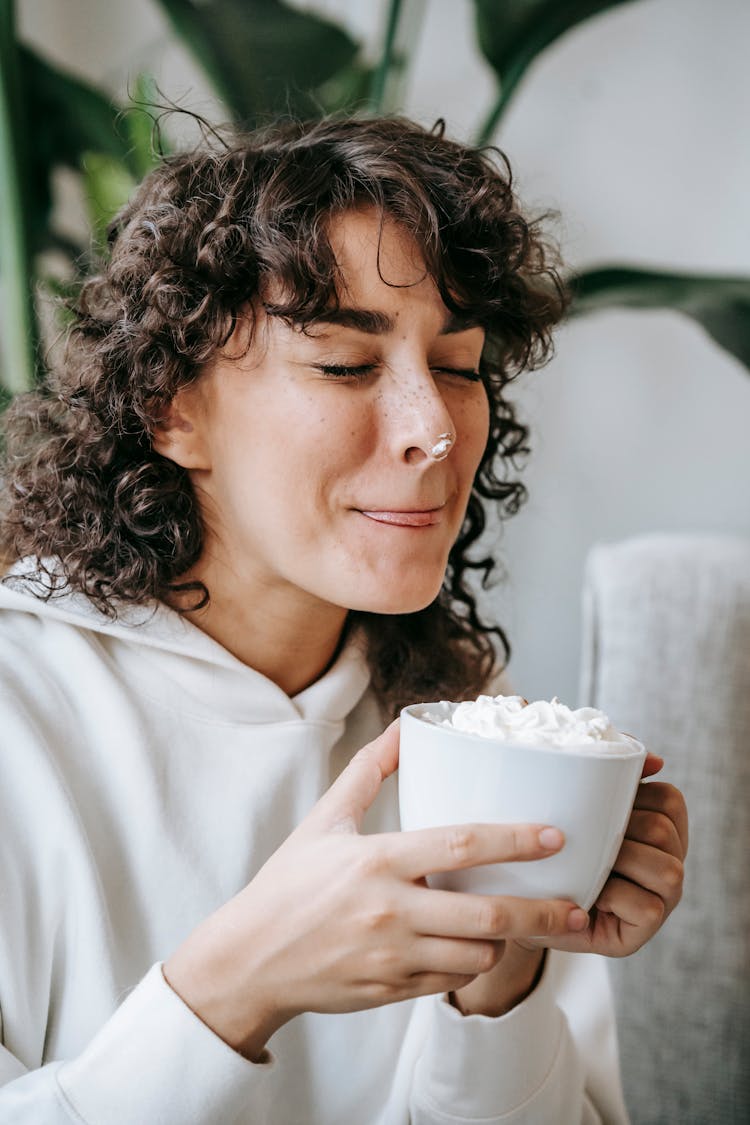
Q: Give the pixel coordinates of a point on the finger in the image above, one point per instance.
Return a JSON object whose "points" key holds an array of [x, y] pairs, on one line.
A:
{"points": [[343, 806], [442, 955], [427, 850], [654, 870], [660, 796], [656, 829], [429, 984], [490, 917], [632, 904], [652, 764]]}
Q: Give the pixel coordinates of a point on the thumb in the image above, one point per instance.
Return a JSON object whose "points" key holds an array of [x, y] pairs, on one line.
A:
{"points": [[651, 765], [344, 805]]}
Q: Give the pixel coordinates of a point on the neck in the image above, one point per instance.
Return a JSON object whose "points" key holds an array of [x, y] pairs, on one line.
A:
{"points": [[286, 635]]}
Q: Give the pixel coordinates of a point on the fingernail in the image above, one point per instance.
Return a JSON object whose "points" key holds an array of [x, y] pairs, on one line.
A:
{"points": [[578, 920], [551, 838]]}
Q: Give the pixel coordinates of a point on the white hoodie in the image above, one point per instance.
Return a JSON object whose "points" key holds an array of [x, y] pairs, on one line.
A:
{"points": [[145, 776]]}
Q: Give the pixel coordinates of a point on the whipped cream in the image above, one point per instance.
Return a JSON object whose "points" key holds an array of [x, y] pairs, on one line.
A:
{"points": [[509, 718]]}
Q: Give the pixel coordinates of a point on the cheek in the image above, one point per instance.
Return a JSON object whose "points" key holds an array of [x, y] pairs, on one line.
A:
{"points": [[474, 428], [285, 461]]}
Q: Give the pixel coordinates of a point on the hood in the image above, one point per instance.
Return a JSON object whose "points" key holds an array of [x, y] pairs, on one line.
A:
{"points": [[157, 640]]}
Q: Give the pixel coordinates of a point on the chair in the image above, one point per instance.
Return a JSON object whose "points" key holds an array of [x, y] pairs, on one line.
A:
{"points": [[666, 654]]}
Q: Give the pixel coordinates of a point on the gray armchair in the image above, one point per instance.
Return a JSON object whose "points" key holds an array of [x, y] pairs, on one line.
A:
{"points": [[666, 654]]}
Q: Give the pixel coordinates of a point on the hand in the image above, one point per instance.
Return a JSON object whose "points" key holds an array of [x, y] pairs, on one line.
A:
{"points": [[336, 921], [514, 976], [646, 880]]}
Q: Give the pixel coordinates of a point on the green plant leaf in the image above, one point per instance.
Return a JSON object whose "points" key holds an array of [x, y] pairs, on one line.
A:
{"points": [[512, 33], [348, 91], [71, 115], [387, 58], [402, 33], [107, 187], [107, 181], [69, 118], [19, 330], [147, 144], [61, 293], [262, 56], [720, 304]]}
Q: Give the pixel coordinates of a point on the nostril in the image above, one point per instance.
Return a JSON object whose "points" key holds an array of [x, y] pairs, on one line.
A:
{"points": [[414, 455]]}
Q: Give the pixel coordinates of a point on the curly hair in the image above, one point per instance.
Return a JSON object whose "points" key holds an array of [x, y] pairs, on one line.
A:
{"points": [[203, 235]]}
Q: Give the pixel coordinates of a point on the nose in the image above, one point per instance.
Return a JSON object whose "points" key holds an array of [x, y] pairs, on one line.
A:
{"points": [[422, 427]]}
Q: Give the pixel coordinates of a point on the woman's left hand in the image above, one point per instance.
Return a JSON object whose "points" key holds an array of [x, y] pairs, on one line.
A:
{"points": [[646, 881], [643, 889]]}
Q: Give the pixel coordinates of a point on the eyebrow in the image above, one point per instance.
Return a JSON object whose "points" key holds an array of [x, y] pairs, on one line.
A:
{"points": [[375, 323]]}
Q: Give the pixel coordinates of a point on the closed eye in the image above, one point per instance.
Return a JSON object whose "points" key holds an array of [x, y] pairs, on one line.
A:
{"points": [[464, 372], [342, 370]]}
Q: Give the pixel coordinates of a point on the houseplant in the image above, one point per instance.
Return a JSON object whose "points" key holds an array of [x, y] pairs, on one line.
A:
{"points": [[263, 58]]}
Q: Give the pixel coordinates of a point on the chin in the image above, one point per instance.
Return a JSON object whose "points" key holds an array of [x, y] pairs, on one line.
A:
{"points": [[393, 601]]}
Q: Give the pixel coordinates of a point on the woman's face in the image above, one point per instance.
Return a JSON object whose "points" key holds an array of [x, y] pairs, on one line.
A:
{"points": [[310, 454]]}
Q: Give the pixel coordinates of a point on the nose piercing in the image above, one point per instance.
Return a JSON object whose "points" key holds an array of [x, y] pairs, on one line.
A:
{"points": [[442, 447]]}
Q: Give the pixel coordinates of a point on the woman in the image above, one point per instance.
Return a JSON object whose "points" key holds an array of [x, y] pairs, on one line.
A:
{"points": [[242, 514]]}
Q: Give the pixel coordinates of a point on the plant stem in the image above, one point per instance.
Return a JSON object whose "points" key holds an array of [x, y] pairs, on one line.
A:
{"points": [[20, 333], [493, 118], [380, 78]]}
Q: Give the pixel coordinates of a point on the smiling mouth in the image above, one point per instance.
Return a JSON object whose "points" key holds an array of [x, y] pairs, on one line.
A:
{"points": [[427, 518]]}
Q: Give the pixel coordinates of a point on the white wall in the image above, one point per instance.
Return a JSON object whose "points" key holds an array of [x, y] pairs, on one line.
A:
{"points": [[635, 128], [632, 128]]}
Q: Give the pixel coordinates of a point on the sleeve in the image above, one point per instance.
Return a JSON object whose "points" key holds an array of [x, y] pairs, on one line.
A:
{"points": [[126, 1077], [533, 1066]]}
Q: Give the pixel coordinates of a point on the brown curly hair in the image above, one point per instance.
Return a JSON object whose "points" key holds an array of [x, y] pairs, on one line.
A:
{"points": [[200, 238]]}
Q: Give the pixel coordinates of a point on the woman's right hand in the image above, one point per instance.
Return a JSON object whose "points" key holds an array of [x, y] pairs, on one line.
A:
{"points": [[336, 921]]}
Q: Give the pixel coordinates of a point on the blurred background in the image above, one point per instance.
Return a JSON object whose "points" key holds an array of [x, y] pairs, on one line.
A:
{"points": [[629, 119]]}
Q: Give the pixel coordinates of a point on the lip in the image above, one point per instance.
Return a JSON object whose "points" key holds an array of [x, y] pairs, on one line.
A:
{"points": [[426, 517]]}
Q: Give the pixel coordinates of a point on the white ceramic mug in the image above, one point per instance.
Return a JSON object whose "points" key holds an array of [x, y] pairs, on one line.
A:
{"points": [[447, 776]]}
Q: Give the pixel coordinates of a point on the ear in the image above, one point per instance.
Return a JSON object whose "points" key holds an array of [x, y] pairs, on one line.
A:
{"points": [[179, 435]]}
